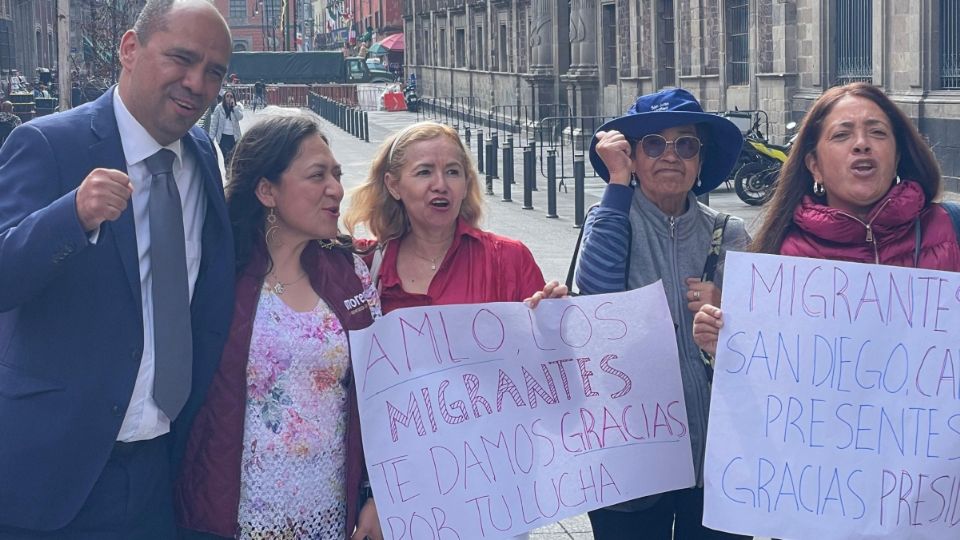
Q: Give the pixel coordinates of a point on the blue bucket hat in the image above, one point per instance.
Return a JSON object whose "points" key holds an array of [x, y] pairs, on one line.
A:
{"points": [[673, 107]]}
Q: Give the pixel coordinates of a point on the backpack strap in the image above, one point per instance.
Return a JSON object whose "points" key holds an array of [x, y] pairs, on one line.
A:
{"points": [[713, 255], [709, 271], [917, 239], [376, 264], [576, 251], [953, 210], [576, 254]]}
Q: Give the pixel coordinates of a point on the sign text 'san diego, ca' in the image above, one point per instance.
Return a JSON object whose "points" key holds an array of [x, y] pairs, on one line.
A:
{"points": [[836, 401]]}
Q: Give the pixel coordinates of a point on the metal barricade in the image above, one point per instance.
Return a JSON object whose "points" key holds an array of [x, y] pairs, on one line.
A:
{"points": [[567, 136], [521, 120], [369, 95], [341, 93], [453, 111]]}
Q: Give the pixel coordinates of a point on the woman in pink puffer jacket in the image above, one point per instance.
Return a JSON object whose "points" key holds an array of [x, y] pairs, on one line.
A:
{"points": [[859, 185]]}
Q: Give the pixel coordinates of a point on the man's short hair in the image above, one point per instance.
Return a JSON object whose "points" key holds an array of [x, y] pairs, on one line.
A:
{"points": [[6, 106], [152, 18]]}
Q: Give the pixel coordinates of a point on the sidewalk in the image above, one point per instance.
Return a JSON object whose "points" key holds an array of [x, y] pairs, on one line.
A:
{"points": [[550, 240]]}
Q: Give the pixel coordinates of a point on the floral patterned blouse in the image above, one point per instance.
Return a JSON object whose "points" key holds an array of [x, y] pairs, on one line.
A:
{"points": [[293, 468]]}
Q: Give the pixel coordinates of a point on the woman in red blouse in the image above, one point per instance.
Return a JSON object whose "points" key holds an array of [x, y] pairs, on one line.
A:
{"points": [[422, 201]]}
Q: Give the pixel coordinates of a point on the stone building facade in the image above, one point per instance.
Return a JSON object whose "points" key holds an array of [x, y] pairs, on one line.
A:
{"points": [[597, 55], [28, 36]]}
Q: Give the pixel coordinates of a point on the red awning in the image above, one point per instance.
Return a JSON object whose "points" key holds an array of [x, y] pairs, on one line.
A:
{"points": [[393, 43]]}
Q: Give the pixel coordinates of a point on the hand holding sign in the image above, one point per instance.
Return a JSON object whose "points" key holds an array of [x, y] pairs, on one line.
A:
{"points": [[836, 401], [488, 420]]}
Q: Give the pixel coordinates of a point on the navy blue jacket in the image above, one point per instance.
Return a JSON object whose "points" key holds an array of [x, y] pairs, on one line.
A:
{"points": [[71, 328]]}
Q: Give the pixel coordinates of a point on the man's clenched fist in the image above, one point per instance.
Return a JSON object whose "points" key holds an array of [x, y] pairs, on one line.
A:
{"points": [[102, 196]]}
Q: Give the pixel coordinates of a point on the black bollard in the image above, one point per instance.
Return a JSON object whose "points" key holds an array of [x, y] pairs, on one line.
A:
{"points": [[529, 170], [366, 126], [533, 167], [491, 167], [466, 134], [480, 163], [552, 183], [495, 147], [578, 187], [508, 169]]}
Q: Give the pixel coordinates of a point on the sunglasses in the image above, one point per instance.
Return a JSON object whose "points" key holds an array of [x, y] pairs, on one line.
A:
{"points": [[686, 146]]}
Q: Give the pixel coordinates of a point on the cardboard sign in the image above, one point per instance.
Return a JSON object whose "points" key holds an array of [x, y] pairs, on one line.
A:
{"points": [[489, 420], [836, 401]]}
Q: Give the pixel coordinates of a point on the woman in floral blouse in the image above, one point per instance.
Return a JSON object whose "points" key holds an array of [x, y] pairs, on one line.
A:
{"points": [[275, 450]]}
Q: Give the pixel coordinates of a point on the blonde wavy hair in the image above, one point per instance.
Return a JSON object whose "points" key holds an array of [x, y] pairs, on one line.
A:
{"points": [[371, 204]]}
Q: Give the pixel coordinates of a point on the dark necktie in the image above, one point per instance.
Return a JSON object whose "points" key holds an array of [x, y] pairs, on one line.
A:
{"points": [[173, 343]]}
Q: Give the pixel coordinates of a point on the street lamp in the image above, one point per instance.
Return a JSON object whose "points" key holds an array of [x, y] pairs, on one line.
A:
{"points": [[258, 10]]}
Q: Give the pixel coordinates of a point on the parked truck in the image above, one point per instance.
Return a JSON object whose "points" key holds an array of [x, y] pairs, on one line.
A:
{"points": [[313, 67]]}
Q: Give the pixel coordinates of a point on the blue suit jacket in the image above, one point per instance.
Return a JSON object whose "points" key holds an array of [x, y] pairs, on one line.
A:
{"points": [[71, 328]]}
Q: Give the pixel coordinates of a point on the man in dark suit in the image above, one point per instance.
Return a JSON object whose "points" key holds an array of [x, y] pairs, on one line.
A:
{"points": [[116, 288]]}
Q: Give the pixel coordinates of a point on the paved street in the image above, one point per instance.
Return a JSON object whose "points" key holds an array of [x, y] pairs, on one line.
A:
{"points": [[550, 240]]}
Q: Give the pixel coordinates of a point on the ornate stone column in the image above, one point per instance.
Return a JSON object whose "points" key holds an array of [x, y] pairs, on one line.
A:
{"points": [[542, 75], [582, 80]]}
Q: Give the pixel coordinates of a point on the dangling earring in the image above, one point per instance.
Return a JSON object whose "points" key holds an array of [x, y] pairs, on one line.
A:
{"points": [[896, 181], [818, 188], [273, 228]]}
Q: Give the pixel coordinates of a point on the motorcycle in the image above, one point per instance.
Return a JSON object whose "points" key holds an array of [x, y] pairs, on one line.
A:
{"points": [[410, 94], [755, 179]]}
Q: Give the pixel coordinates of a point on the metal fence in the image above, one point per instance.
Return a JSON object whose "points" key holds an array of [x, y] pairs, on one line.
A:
{"points": [[568, 137], [854, 51], [454, 111], [738, 39], [282, 95], [950, 44]]}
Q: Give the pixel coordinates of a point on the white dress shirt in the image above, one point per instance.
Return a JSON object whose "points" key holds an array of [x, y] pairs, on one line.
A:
{"points": [[144, 420]]}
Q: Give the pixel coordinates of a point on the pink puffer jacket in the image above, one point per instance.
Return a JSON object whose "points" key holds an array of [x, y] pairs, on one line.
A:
{"points": [[887, 236]]}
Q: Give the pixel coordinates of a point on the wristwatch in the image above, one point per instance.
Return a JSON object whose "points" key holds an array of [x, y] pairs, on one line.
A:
{"points": [[366, 492]]}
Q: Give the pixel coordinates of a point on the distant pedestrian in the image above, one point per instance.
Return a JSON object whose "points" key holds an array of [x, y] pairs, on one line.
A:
{"points": [[41, 92], [8, 120], [225, 124], [259, 95]]}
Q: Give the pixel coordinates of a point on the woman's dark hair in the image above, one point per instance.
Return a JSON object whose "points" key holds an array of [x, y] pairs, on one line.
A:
{"points": [[228, 108], [264, 151], [916, 163]]}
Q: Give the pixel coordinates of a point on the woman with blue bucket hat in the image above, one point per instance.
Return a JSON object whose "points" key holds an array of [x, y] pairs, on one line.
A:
{"points": [[649, 226]]}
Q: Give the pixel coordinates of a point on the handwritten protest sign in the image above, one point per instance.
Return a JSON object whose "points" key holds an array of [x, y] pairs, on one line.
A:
{"points": [[836, 401], [488, 420]]}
